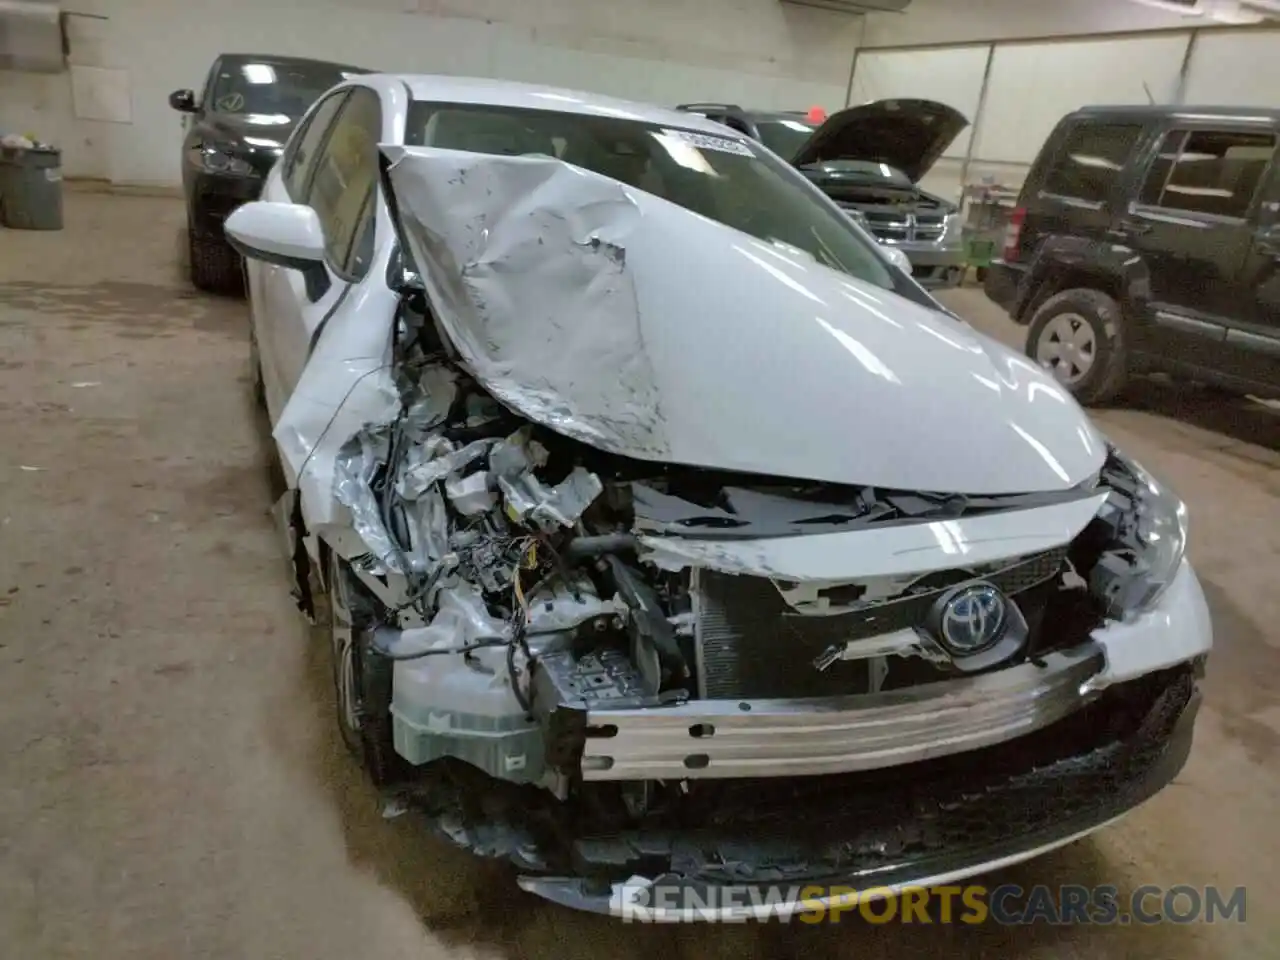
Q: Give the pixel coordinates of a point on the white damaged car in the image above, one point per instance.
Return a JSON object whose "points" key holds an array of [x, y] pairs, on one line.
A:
{"points": [[674, 543]]}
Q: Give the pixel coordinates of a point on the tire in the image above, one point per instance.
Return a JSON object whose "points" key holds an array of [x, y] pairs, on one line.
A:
{"points": [[215, 267], [1082, 337], [361, 678], [255, 369]]}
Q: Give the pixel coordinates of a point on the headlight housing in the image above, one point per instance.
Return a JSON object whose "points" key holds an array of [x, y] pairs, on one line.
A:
{"points": [[953, 227], [1148, 539], [218, 159], [858, 217]]}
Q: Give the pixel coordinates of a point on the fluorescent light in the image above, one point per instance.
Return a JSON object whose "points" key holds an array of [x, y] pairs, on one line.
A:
{"points": [[259, 72]]}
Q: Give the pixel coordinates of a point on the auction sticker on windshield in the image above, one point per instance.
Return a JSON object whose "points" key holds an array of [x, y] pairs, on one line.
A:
{"points": [[706, 141]]}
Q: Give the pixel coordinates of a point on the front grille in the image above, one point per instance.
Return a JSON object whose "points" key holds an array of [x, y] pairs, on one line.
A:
{"points": [[900, 227], [752, 644]]}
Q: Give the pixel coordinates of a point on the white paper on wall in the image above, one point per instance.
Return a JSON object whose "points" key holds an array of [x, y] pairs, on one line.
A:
{"points": [[101, 93]]}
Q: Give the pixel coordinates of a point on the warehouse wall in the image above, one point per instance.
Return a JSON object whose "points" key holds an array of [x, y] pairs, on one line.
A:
{"points": [[1047, 58], [959, 21], [761, 52]]}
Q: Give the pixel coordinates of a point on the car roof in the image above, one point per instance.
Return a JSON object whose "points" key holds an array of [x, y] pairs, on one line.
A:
{"points": [[284, 58], [536, 96], [799, 115], [1181, 111]]}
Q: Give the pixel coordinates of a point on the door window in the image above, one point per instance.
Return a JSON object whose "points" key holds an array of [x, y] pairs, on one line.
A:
{"points": [[300, 162], [1213, 172], [344, 186], [1091, 160]]}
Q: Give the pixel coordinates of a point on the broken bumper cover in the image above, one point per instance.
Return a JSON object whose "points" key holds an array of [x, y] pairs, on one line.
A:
{"points": [[777, 738], [783, 847], [935, 263]]}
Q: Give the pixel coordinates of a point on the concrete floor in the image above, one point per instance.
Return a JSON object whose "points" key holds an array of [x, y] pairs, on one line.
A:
{"points": [[172, 784]]}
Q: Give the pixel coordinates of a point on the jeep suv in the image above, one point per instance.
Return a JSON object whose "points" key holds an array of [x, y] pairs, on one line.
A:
{"points": [[870, 159], [1148, 239]]}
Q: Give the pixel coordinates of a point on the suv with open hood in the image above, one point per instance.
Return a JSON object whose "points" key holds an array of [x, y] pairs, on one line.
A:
{"points": [[672, 545], [870, 160]]}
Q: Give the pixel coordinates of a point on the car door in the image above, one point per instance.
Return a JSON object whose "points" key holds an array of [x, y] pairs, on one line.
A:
{"points": [[275, 313], [1192, 223], [1255, 340], [343, 191]]}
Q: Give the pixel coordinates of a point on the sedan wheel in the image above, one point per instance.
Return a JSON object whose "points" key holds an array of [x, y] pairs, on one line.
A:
{"points": [[342, 648], [362, 680]]}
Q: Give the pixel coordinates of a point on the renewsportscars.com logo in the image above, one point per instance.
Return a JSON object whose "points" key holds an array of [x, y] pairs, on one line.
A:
{"points": [[1008, 905]]}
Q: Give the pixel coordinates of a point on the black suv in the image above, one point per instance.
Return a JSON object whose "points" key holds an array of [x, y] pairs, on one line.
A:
{"points": [[235, 130], [1148, 239], [870, 159]]}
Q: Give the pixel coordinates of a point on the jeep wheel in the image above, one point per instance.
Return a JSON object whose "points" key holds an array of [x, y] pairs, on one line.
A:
{"points": [[361, 678], [1081, 338]]}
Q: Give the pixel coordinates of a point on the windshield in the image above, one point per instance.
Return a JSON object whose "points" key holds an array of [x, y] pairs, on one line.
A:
{"points": [[272, 87], [785, 137], [728, 180]]}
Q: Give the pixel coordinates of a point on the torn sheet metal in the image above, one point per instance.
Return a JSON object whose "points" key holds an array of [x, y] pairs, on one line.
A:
{"points": [[353, 470], [633, 324], [1176, 630], [462, 619], [525, 260], [531, 501], [893, 550], [433, 461]]}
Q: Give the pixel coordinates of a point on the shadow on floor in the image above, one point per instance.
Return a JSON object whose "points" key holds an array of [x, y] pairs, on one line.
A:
{"points": [[1235, 418]]}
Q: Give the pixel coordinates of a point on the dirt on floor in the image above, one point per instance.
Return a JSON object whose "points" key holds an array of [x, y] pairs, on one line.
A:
{"points": [[172, 784]]}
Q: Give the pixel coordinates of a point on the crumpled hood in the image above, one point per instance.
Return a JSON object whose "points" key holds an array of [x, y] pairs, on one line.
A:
{"points": [[627, 322]]}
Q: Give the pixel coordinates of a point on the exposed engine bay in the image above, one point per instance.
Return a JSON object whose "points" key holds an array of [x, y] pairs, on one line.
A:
{"points": [[518, 582]]}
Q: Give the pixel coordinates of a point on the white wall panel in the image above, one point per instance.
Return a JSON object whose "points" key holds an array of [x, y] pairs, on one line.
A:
{"points": [[963, 21], [755, 52], [1240, 69], [1033, 85], [951, 75]]}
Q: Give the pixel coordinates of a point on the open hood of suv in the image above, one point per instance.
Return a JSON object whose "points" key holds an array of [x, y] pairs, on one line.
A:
{"points": [[907, 134], [566, 295]]}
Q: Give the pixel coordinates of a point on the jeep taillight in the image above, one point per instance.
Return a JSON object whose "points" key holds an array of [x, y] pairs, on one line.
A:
{"points": [[1013, 235]]}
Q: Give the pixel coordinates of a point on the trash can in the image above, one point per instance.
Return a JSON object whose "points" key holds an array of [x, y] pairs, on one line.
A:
{"points": [[31, 188]]}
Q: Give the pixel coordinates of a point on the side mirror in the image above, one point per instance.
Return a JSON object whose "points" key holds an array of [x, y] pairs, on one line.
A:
{"points": [[183, 101], [898, 259], [287, 235]]}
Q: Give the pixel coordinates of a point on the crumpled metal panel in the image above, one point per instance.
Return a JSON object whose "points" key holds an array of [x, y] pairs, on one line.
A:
{"points": [[627, 321]]}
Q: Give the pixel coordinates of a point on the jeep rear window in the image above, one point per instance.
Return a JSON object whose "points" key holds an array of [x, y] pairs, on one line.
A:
{"points": [[1091, 160]]}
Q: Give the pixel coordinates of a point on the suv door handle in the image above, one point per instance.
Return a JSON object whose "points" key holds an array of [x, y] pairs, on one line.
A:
{"points": [[1131, 228], [1267, 241]]}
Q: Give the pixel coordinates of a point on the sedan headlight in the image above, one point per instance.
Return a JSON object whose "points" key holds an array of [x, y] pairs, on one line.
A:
{"points": [[1148, 539], [218, 159]]}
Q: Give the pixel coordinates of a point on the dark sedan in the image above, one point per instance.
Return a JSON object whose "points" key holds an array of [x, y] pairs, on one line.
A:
{"points": [[235, 130]]}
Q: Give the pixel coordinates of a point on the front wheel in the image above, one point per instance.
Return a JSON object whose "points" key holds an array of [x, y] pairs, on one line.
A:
{"points": [[215, 267], [1081, 337], [361, 678]]}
